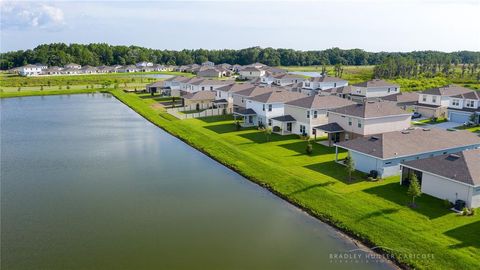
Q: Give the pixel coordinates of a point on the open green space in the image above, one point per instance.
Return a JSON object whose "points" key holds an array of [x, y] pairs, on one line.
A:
{"points": [[427, 237]]}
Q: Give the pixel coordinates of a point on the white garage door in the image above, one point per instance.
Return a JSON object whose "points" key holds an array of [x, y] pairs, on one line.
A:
{"points": [[458, 117]]}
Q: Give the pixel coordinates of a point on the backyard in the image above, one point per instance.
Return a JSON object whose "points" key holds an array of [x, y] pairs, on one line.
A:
{"points": [[428, 237]]}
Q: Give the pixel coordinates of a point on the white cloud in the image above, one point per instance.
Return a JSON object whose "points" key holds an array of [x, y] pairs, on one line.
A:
{"points": [[27, 15]]}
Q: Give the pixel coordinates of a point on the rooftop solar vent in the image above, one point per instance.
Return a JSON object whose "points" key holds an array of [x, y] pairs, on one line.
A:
{"points": [[373, 138], [405, 132], [453, 157], [426, 129]]}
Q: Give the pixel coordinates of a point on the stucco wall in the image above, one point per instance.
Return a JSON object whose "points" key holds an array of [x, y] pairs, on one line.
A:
{"points": [[445, 189]]}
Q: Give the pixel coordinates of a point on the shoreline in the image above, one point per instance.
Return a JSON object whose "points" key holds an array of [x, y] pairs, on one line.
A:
{"points": [[343, 231]]}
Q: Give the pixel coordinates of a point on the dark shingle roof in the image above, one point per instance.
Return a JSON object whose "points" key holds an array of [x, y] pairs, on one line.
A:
{"points": [[330, 127], [463, 166], [376, 83], [201, 95], [277, 95], [326, 79], [411, 142], [449, 90], [371, 109], [321, 102], [284, 118], [403, 97]]}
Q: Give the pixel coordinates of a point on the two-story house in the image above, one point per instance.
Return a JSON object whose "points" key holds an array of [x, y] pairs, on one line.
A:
{"points": [[270, 110], [311, 111], [373, 89], [284, 79], [451, 101], [30, 70], [318, 84], [240, 97], [225, 93], [248, 73], [364, 119]]}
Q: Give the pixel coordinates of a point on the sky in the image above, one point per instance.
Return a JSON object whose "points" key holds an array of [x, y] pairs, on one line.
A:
{"points": [[372, 25]]}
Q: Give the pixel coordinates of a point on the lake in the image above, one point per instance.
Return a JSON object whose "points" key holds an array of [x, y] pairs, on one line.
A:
{"points": [[306, 73], [89, 184], [155, 76]]}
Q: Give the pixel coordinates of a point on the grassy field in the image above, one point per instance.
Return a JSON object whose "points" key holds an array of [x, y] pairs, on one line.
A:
{"points": [[357, 74], [375, 212]]}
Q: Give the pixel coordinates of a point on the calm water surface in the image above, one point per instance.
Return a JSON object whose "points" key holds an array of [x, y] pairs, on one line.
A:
{"points": [[86, 183]]}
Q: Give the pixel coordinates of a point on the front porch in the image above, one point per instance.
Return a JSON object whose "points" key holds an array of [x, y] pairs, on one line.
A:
{"points": [[282, 124], [248, 115], [333, 131]]}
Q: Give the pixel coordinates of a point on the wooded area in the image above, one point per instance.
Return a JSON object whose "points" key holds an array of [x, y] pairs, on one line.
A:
{"points": [[59, 54]]}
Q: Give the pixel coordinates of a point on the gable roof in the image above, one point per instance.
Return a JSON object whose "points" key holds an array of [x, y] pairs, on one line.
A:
{"points": [[376, 83], [410, 142], [403, 97], [448, 90], [340, 90], [277, 95], [320, 102], [288, 76], [463, 166], [326, 79], [235, 87], [371, 109], [250, 92], [155, 84], [201, 95]]}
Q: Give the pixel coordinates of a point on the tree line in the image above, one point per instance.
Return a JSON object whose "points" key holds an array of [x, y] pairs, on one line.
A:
{"points": [[96, 54], [410, 67]]}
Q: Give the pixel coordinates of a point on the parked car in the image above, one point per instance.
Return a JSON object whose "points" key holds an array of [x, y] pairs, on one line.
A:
{"points": [[416, 115]]}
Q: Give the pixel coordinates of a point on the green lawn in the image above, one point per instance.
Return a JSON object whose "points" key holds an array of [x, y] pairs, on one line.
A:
{"points": [[475, 129], [429, 121], [375, 212]]}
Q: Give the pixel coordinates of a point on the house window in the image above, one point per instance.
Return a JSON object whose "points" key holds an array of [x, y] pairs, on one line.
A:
{"points": [[334, 84], [269, 122], [455, 102], [470, 103], [269, 107], [211, 87], [263, 107], [302, 129], [434, 99], [347, 136], [203, 88], [315, 114], [388, 90], [359, 124], [308, 114], [242, 100], [424, 98], [349, 121]]}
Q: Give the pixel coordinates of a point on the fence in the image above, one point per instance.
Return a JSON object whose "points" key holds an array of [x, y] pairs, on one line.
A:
{"points": [[193, 111]]}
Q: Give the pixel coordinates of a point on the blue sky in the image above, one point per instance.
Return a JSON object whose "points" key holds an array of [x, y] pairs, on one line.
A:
{"points": [[373, 25]]}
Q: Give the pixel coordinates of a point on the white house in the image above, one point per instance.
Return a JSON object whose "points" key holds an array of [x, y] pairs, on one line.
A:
{"points": [[248, 73], [383, 153], [282, 79], [73, 66], [30, 70], [374, 89], [364, 119], [453, 102], [311, 111], [240, 97], [226, 92], [451, 176], [208, 63], [269, 105], [144, 64], [318, 84]]}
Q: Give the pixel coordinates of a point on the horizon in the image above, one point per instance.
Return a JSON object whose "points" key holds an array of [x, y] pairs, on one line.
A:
{"points": [[414, 26]]}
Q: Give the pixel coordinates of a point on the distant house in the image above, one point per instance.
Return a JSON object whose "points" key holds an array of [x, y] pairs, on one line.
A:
{"points": [[240, 97], [174, 85], [248, 73], [453, 102], [311, 111], [318, 84], [157, 87], [30, 70], [54, 70], [211, 72], [88, 70], [383, 153], [199, 100], [451, 176], [364, 119], [283, 79], [342, 91], [270, 110], [41, 66], [373, 89], [144, 64], [128, 69], [73, 66], [208, 63]]}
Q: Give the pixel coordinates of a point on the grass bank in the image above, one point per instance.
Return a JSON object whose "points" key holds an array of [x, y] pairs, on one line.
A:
{"points": [[427, 237], [49, 92]]}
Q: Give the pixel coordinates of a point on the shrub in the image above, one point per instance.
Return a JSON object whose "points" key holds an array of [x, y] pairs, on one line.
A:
{"points": [[309, 148], [472, 211], [465, 211], [447, 204]]}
